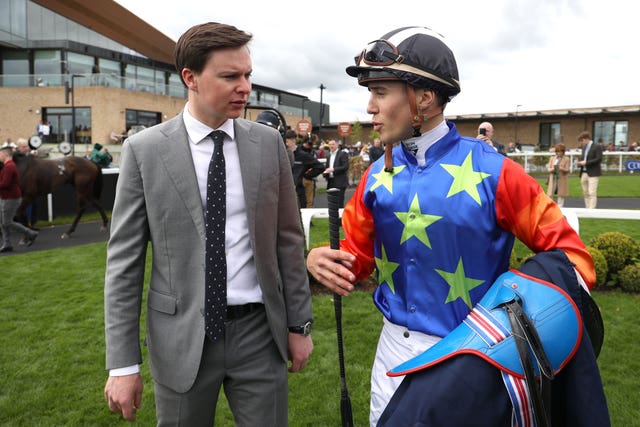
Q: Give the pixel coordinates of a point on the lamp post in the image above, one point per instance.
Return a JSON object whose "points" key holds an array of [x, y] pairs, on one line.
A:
{"points": [[516, 138], [322, 88], [73, 113], [305, 99]]}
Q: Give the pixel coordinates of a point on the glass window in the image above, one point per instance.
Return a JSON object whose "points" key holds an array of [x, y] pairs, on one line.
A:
{"points": [[176, 88], [130, 76], [62, 122], [253, 98], [549, 135], [15, 68], [79, 64], [621, 135], [145, 79], [269, 100], [611, 132], [137, 118], [160, 86], [109, 72], [47, 66]]}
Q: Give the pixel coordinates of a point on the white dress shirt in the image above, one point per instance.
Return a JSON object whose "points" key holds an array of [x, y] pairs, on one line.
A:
{"points": [[242, 277]]}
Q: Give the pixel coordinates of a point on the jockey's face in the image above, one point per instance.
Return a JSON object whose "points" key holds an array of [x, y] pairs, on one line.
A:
{"points": [[389, 106], [221, 91]]}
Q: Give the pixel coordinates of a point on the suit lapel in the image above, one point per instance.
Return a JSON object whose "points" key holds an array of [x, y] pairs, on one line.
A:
{"points": [[249, 153], [176, 156]]}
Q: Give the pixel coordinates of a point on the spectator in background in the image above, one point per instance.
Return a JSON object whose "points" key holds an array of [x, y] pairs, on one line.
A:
{"points": [[309, 184], [43, 129], [485, 133], [10, 199], [305, 166], [590, 170], [100, 156], [558, 168], [513, 148], [376, 151], [31, 215], [633, 146], [336, 171]]}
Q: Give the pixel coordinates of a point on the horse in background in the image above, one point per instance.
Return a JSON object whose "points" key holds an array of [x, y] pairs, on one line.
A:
{"points": [[40, 177]]}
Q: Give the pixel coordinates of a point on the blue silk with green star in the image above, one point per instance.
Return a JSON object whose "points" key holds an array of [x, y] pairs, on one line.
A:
{"points": [[437, 245]]}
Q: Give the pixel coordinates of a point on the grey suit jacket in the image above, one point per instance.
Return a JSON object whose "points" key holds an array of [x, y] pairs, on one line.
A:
{"points": [[158, 201]]}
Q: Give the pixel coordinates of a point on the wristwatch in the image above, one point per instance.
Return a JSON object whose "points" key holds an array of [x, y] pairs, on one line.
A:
{"points": [[304, 329]]}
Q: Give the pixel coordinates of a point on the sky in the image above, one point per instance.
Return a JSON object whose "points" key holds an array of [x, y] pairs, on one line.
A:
{"points": [[524, 55]]}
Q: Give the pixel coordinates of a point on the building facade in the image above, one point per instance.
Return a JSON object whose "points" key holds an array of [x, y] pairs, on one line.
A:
{"points": [[94, 72]]}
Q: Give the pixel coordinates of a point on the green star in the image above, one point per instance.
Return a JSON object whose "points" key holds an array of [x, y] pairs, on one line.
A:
{"points": [[385, 178], [465, 179], [460, 284], [416, 223], [386, 269]]}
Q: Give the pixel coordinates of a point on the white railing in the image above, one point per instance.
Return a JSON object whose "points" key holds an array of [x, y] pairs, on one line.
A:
{"points": [[138, 84], [571, 214], [609, 161]]}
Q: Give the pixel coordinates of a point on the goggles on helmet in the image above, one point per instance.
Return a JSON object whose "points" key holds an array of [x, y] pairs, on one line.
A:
{"points": [[383, 53], [379, 53]]}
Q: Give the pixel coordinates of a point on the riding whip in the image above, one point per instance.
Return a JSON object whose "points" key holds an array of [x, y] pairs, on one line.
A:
{"points": [[334, 240]]}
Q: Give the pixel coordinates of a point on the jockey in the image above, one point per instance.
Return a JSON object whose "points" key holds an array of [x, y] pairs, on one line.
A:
{"points": [[436, 217]]}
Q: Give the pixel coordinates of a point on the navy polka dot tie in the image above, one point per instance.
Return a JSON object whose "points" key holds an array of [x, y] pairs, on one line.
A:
{"points": [[216, 263]]}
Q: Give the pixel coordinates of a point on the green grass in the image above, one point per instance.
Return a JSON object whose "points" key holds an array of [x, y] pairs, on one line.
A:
{"points": [[52, 341], [608, 185], [52, 358]]}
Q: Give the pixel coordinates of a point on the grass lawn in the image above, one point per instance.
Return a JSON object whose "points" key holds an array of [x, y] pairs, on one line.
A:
{"points": [[52, 343]]}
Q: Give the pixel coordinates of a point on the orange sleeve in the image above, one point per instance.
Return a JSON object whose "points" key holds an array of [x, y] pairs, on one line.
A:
{"points": [[357, 223], [523, 208]]}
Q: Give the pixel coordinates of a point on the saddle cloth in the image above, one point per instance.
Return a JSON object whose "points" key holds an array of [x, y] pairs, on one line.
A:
{"points": [[486, 332]]}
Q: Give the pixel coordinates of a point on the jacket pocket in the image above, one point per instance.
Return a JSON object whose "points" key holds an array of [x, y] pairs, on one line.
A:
{"points": [[161, 302]]}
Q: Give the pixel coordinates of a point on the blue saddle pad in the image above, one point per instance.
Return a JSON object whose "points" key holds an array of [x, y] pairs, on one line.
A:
{"points": [[486, 331]]}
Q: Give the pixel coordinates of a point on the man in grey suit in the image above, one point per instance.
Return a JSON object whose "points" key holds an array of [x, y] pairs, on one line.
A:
{"points": [[161, 198]]}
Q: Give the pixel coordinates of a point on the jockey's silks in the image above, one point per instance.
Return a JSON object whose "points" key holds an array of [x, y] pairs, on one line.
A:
{"points": [[440, 234]]}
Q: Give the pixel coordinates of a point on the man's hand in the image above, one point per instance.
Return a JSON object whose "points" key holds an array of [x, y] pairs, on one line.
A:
{"points": [[331, 267], [124, 395], [300, 348]]}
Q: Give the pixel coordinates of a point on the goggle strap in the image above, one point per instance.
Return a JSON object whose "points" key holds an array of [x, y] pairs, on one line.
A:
{"points": [[410, 69]]}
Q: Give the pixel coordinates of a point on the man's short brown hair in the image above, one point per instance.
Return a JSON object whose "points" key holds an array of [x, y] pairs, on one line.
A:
{"points": [[196, 45], [291, 134], [584, 135]]}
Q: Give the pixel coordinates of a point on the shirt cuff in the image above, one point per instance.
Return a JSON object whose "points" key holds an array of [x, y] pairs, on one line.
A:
{"points": [[128, 370]]}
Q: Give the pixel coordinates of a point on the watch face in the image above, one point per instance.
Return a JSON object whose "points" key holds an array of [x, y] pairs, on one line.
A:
{"points": [[306, 329]]}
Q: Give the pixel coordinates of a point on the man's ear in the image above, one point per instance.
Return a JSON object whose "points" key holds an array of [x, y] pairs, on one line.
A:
{"points": [[426, 99], [189, 78]]}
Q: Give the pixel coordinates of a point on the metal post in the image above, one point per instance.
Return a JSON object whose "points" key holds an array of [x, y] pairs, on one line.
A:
{"points": [[73, 116], [322, 88], [516, 138], [305, 99]]}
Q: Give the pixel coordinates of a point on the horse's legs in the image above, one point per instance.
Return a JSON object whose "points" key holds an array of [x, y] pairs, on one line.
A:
{"points": [[105, 220], [82, 206]]}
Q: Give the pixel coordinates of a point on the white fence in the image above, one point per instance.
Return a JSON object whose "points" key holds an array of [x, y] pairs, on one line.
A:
{"points": [[571, 214], [537, 161]]}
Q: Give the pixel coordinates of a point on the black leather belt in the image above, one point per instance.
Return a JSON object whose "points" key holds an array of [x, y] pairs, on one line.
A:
{"points": [[237, 311]]}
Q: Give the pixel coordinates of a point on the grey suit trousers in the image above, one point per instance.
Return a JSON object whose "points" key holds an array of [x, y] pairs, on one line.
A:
{"points": [[249, 367]]}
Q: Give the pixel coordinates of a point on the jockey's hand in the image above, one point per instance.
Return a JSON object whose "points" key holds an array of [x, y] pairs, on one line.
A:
{"points": [[331, 267]]}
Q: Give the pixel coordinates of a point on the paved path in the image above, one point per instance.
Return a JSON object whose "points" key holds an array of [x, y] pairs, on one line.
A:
{"points": [[89, 232], [50, 237]]}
